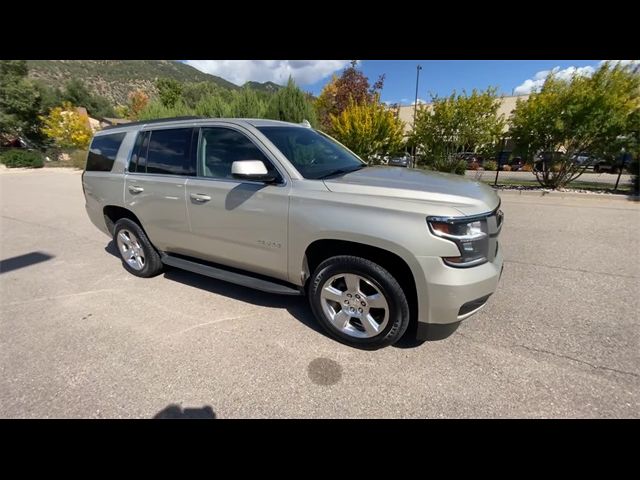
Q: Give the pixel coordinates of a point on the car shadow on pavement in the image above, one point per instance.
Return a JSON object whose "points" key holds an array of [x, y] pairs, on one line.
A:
{"points": [[297, 306], [175, 411]]}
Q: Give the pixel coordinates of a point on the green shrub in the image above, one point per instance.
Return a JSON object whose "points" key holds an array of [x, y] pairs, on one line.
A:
{"points": [[22, 158], [448, 165], [490, 165]]}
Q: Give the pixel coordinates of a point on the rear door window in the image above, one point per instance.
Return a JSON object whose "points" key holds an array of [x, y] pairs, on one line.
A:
{"points": [[170, 152], [103, 152]]}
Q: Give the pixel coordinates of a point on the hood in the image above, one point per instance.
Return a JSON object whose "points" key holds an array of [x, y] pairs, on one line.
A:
{"points": [[467, 196]]}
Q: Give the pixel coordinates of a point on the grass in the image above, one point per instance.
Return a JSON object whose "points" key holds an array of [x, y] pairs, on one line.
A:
{"points": [[77, 160]]}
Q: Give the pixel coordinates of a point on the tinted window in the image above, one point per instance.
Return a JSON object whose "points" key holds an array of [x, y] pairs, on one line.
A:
{"points": [[313, 154], [220, 147], [138, 161], [103, 152], [169, 152]]}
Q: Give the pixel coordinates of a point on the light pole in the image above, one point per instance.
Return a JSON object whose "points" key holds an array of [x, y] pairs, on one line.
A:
{"points": [[415, 109], [415, 105]]}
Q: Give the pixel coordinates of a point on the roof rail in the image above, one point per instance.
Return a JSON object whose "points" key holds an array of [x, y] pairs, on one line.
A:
{"points": [[159, 120]]}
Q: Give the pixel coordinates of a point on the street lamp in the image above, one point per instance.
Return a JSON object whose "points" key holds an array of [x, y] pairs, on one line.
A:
{"points": [[415, 108], [415, 105]]}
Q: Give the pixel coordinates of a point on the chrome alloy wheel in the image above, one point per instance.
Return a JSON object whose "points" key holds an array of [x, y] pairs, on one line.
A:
{"points": [[130, 249], [354, 305]]}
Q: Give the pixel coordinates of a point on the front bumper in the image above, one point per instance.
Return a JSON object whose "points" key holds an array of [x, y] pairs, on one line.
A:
{"points": [[450, 294]]}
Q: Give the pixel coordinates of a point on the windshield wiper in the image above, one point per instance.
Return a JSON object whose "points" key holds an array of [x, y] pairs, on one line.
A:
{"points": [[341, 171]]}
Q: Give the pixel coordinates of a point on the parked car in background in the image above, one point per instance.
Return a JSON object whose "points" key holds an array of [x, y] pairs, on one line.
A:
{"points": [[284, 208], [472, 158], [516, 164], [621, 162], [399, 161], [544, 161]]}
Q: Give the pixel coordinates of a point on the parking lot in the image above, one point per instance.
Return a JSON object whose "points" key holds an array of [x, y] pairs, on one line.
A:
{"points": [[80, 337]]}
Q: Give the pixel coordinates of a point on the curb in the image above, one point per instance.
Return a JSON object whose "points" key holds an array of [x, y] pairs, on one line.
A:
{"points": [[554, 194]]}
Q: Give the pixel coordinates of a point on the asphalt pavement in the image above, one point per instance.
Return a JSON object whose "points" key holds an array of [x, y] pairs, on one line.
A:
{"points": [[80, 337]]}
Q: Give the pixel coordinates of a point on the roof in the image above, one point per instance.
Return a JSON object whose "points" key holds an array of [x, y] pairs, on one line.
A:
{"points": [[179, 121], [115, 121]]}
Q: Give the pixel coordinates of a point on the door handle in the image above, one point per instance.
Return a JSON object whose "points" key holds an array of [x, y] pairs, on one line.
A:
{"points": [[200, 197], [136, 189]]}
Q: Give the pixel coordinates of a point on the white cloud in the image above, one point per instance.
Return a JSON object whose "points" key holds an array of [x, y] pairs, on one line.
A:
{"points": [[535, 83], [304, 72], [406, 101]]}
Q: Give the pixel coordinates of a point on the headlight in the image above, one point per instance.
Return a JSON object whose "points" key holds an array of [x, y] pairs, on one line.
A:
{"points": [[471, 237]]}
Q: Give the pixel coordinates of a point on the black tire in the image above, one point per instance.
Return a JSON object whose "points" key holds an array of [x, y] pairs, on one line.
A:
{"points": [[152, 263], [387, 285]]}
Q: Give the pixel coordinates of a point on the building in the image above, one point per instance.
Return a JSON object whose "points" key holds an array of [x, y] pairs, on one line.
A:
{"points": [[507, 105]]}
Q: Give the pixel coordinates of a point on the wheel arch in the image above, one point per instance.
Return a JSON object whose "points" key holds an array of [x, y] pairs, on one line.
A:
{"points": [[321, 249], [113, 213]]}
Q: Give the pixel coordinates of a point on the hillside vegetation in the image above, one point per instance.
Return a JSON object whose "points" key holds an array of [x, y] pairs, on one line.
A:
{"points": [[115, 79]]}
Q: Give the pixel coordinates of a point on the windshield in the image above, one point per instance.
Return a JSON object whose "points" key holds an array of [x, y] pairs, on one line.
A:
{"points": [[314, 154]]}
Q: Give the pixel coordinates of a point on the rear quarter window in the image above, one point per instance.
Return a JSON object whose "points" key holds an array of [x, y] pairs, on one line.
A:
{"points": [[103, 152]]}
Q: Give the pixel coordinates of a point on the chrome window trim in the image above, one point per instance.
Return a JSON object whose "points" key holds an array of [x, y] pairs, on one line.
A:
{"points": [[265, 152]]}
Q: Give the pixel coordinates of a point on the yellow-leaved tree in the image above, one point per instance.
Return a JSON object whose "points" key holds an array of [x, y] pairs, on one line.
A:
{"points": [[369, 129], [67, 127]]}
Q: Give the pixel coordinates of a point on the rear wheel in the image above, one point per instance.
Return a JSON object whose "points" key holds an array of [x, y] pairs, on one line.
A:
{"points": [[358, 302], [138, 256]]}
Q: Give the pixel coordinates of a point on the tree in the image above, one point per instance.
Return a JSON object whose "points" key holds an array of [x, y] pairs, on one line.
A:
{"points": [[77, 93], [138, 99], [194, 92], [49, 96], [247, 104], [213, 106], [291, 104], [156, 109], [591, 115], [67, 127], [20, 101], [169, 91], [337, 95], [458, 123], [369, 129]]}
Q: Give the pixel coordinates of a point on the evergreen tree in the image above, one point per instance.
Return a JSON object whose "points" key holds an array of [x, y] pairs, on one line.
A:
{"points": [[291, 105], [246, 104]]}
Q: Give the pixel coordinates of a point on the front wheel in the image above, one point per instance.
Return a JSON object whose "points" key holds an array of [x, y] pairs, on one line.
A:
{"points": [[358, 302]]}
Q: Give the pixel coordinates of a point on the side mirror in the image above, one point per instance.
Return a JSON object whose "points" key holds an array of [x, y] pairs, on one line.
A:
{"points": [[254, 170]]}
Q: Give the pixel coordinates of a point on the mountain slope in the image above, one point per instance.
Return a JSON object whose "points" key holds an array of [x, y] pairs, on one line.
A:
{"points": [[268, 87], [114, 79]]}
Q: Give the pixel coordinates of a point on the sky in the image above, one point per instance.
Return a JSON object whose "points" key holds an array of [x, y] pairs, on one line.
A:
{"points": [[438, 77]]}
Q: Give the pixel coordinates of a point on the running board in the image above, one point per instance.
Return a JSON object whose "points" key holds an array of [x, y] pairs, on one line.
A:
{"points": [[228, 276]]}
